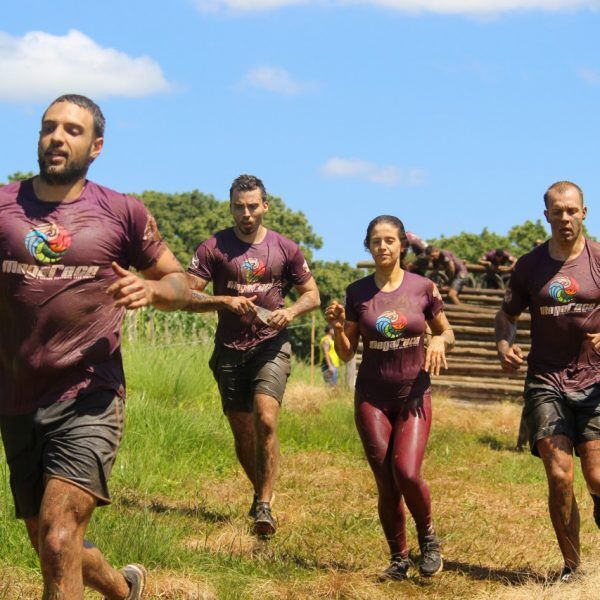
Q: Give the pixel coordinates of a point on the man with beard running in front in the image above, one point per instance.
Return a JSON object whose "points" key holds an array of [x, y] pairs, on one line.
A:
{"points": [[560, 283], [65, 246], [252, 269]]}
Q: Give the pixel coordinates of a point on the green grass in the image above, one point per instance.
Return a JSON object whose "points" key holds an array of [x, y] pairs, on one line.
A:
{"points": [[180, 497]]}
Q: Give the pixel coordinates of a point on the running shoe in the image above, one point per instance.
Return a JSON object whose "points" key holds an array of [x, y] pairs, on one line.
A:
{"points": [[265, 524], [397, 570], [135, 576], [596, 500], [252, 511], [567, 574], [431, 559]]}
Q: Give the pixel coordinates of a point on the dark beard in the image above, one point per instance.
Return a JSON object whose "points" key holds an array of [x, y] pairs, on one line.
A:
{"points": [[71, 174]]}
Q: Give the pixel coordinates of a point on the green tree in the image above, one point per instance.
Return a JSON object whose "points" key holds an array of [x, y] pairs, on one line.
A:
{"points": [[19, 176], [522, 238], [189, 218], [332, 279]]}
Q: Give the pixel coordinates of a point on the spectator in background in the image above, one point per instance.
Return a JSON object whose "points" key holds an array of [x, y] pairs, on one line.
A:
{"points": [[328, 357]]}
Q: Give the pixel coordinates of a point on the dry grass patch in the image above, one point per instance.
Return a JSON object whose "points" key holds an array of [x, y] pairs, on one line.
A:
{"points": [[178, 586], [502, 417], [18, 584], [309, 399]]}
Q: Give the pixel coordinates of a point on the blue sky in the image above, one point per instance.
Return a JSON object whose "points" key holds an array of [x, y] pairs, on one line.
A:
{"points": [[452, 114]]}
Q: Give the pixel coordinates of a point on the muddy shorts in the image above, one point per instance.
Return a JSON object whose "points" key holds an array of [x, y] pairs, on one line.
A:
{"points": [[550, 411], [240, 374], [459, 282], [73, 440]]}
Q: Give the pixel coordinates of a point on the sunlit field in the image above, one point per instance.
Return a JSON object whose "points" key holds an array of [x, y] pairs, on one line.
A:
{"points": [[180, 500]]}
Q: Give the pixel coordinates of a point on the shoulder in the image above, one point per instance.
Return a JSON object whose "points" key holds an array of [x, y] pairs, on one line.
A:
{"points": [[117, 202], [289, 247], [594, 247], [220, 239], [528, 261], [10, 191], [418, 283], [359, 287]]}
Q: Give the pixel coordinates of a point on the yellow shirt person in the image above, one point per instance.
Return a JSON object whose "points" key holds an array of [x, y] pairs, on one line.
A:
{"points": [[328, 358]]}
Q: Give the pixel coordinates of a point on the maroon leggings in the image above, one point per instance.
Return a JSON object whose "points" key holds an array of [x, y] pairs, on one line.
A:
{"points": [[394, 435]]}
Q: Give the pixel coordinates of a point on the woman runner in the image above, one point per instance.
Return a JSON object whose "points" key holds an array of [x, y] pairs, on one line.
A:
{"points": [[390, 310]]}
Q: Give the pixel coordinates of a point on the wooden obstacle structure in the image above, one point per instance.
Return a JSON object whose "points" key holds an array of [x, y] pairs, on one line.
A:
{"points": [[474, 371]]}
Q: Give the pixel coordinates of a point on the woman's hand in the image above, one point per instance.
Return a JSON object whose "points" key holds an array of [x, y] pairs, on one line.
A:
{"points": [[435, 358], [336, 315]]}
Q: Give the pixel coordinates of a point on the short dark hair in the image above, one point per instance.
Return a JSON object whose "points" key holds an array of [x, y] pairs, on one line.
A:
{"points": [[328, 327], [499, 251], [391, 220], [247, 183], [430, 250], [89, 105], [560, 187]]}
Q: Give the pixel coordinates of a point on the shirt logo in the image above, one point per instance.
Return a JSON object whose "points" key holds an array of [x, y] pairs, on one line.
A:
{"points": [[391, 324], [563, 288], [253, 269], [48, 243]]}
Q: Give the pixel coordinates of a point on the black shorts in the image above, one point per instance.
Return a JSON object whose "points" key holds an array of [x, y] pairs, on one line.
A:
{"points": [[74, 440], [550, 411], [240, 374]]}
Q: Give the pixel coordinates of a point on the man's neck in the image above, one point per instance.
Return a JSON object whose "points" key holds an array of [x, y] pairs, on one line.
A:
{"points": [[563, 251], [47, 192], [256, 237]]}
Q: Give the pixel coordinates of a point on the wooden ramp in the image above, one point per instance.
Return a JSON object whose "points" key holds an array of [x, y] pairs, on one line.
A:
{"points": [[474, 372]]}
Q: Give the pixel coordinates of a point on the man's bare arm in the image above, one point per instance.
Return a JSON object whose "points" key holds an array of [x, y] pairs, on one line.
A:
{"points": [[510, 355], [200, 302], [309, 300], [163, 285]]}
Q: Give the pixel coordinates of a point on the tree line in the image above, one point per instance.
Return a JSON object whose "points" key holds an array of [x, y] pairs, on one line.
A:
{"points": [[186, 219]]}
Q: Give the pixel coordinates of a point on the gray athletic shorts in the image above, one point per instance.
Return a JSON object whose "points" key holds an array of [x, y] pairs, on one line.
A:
{"points": [[240, 374], [74, 440], [550, 411]]}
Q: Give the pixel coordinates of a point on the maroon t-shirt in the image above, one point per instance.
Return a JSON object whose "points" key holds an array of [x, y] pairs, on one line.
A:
{"points": [[61, 332], [564, 301], [504, 258], [392, 327], [415, 242], [267, 269], [447, 257]]}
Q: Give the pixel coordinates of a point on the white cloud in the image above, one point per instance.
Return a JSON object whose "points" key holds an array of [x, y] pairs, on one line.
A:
{"points": [[390, 175], [274, 79], [589, 75], [466, 7], [40, 66]]}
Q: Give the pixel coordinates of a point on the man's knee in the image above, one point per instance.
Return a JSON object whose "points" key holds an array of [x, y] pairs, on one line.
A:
{"points": [[55, 544], [266, 412]]}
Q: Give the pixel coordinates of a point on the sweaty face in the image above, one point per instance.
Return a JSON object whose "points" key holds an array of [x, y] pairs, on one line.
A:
{"points": [[67, 143], [247, 210], [384, 244], [565, 213]]}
